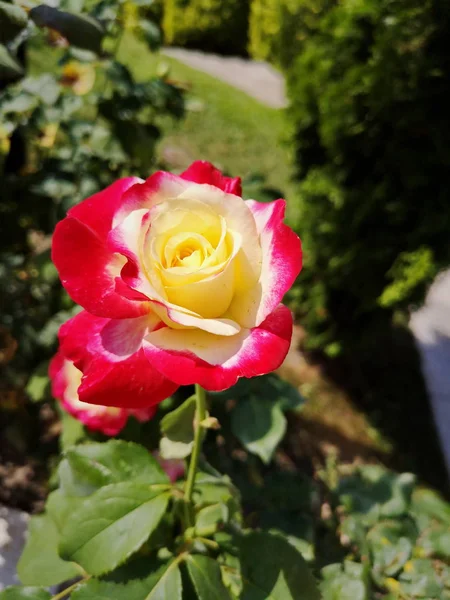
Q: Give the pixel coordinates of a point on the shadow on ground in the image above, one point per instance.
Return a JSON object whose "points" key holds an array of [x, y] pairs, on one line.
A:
{"points": [[383, 377]]}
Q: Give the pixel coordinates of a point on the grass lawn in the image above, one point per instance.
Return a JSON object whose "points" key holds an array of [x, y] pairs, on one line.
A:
{"points": [[222, 124]]}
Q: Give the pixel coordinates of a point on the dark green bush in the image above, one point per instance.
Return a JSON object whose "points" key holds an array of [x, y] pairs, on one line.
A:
{"points": [[370, 92], [155, 11], [264, 28], [210, 25], [277, 28]]}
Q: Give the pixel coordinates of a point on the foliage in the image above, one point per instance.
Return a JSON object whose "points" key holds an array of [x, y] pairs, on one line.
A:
{"points": [[273, 22], [394, 532], [369, 92], [128, 533], [66, 131], [117, 522], [209, 25]]}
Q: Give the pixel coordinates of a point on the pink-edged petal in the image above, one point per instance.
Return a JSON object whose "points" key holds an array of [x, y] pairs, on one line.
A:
{"points": [[88, 271], [143, 414], [281, 264], [66, 378], [107, 420], [202, 171], [216, 363], [56, 374], [158, 187], [97, 212], [109, 354]]}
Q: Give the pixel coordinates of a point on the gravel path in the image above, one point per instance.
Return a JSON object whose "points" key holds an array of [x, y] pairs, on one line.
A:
{"points": [[257, 79]]}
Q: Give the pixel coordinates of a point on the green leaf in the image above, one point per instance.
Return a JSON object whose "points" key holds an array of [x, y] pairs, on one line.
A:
{"points": [[374, 491], [138, 140], [170, 450], [12, 20], [211, 490], [298, 529], [179, 424], [230, 567], [390, 544], [206, 577], [40, 563], [60, 507], [420, 580], [20, 103], [279, 390], [273, 570], [112, 524], [259, 424], [38, 385], [209, 518], [82, 31], [91, 466], [24, 593], [350, 581], [9, 67], [44, 87], [427, 503], [164, 584], [436, 541], [150, 33], [72, 430], [178, 431]]}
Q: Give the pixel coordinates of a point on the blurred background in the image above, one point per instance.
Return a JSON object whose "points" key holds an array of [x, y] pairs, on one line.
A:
{"points": [[342, 108]]}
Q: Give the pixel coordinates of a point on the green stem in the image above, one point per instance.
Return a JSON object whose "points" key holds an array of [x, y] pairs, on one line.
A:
{"points": [[69, 589], [200, 415]]}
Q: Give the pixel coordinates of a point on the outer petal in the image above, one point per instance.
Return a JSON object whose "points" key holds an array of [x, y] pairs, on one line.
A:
{"points": [[97, 212], [202, 171], [56, 374], [86, 267], [216, 363], [282, 262], [115, 369], [158, 187], [88, 271], [66, 378]]}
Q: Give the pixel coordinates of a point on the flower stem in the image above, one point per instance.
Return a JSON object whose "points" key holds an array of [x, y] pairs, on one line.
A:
{"points": [[200, 415], [70, 589]]}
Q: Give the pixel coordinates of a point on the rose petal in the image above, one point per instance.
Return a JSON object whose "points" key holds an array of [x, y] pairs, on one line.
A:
{"points": [[282, 262], [115, 369], [97, 212], [215, 362], [158, 187], [88, 271], [86, 268], [202, 171], [66, 378]]}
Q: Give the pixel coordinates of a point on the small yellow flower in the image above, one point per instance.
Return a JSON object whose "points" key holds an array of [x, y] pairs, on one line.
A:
{"points": [[79, 77], [409, 567], [4, 142], [48, 135], [392, 584]]}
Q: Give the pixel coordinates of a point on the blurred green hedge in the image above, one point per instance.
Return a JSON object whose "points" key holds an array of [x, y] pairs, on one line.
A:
{"points": [[277, 28], [209, 25], [155, 11], [369, 93]]}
